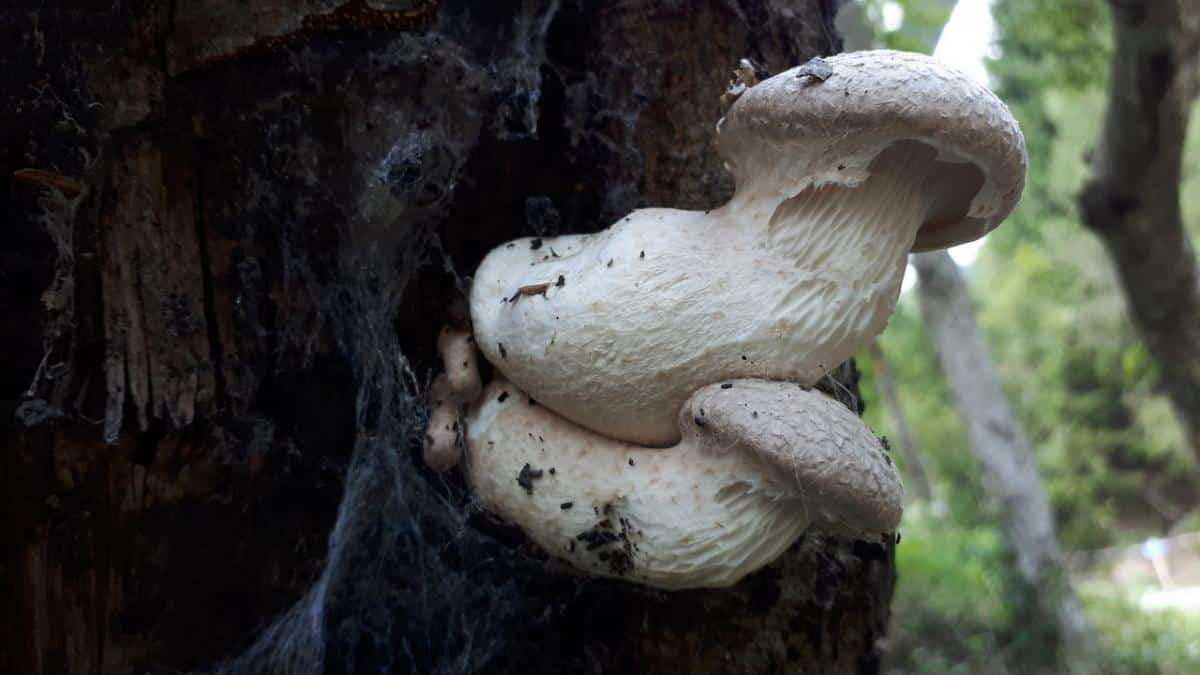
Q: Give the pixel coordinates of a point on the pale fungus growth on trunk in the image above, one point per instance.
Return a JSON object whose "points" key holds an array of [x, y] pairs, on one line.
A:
{"points": [[756, 465], [665, 352], [457, 348], [459, 384]]}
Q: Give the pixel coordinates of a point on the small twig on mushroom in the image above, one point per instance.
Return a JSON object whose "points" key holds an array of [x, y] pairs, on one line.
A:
{"points": [[746, 75], [532, 289]]}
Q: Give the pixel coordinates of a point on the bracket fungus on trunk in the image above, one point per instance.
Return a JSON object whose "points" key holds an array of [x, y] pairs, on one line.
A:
{"points": [[757, 464], [674, 341]]}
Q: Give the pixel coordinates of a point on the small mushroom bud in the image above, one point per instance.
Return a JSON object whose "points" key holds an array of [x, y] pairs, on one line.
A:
{"points": [[457, 348], [443, 435], [459, 384]]}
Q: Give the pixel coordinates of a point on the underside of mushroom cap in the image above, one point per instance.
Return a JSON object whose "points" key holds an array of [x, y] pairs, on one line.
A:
{"points": [[794, 132]]}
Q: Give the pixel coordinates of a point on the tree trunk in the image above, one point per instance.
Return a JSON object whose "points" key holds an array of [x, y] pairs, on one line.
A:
{"points": [[1010, 473], [914, 465], [233, 231], [1131, 200]]}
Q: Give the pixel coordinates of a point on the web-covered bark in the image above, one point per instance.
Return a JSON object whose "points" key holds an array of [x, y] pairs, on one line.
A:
{"points": [[212, 420]]}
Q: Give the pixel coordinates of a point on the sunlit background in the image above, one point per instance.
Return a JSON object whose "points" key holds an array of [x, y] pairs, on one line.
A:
{"points": [[1121, 479]]}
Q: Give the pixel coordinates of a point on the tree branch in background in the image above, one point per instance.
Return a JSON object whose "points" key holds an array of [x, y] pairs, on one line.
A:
{"points": [[1131, 200], [914, 466], [1009, 470]]}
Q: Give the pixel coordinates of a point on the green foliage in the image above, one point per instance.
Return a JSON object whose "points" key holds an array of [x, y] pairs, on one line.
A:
{"points": [[934, 581], [1051, 52], [929, 406], [1075, 369], [1112, 457], [957, 608], [956, 613], [1065, 44], [1076, 373], [922, 22], [1137, 642]]}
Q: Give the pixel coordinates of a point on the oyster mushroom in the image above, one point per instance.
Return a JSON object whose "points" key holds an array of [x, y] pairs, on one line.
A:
{"points": [[838, 179], [758, 463]]}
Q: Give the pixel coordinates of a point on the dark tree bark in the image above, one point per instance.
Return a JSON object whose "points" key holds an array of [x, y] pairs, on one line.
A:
{"points": [[232, 230], [1131, 199]]}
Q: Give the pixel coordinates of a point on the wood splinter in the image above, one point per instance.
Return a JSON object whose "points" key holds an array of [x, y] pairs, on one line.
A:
{"points": [[48, 179]]}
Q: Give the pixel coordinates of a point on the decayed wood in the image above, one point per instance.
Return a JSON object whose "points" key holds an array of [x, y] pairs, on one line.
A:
{"points": [[158, 353], [1131, 199]]}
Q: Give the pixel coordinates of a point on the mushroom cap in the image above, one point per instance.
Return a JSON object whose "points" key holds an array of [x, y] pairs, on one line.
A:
{"points": [[812, 442], [815, 132], [759, 462]]}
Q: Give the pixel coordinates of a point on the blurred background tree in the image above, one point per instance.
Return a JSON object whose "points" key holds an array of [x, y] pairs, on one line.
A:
{"points": [[1089, 396]]}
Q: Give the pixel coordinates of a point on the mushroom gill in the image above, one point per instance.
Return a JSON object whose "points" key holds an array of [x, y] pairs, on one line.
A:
{"points": [[850, 244]]}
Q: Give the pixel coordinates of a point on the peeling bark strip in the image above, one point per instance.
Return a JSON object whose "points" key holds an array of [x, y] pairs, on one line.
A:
{"points": [[46, 179], [157, 355], [1131, 200]]}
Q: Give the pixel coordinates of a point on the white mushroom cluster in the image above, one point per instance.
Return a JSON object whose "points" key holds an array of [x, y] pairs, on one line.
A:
{"points": [[651, 417]]}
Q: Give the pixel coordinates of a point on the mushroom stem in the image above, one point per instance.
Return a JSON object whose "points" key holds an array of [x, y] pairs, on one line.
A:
{"points": [[758, 463], [849, 243], [832, 225]]}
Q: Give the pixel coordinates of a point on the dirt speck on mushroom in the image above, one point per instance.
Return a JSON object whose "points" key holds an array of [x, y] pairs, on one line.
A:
{"points": [[527, 476]]}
